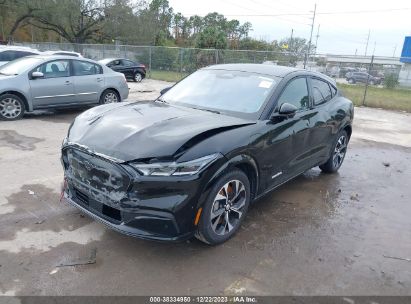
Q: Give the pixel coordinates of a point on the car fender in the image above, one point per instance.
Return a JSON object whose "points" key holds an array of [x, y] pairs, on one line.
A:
{"points": [[28, 102], [236, 161]]}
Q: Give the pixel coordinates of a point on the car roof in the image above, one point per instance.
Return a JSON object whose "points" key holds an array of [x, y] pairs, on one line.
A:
{"points": [[60, 57], [272, 70], [266, 69]]}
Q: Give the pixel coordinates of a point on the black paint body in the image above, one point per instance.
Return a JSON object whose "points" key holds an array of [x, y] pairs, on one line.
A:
{"points": [[102, 141]]}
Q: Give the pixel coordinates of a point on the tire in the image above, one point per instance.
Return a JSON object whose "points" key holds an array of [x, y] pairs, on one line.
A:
{"points": [[11, 107], [338, 153], [213, 227], [138, 77], [109, 96], [351, 81], [372, 82]]}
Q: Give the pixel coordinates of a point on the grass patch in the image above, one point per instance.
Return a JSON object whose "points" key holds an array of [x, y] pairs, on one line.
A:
{"points": [[170, 76], [390, 99]]}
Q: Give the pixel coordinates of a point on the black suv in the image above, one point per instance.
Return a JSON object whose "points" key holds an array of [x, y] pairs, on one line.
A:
{"points": [[354, 77]]}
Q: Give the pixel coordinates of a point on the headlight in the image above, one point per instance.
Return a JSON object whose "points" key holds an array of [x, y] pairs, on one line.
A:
{"points": [[167, 169]]}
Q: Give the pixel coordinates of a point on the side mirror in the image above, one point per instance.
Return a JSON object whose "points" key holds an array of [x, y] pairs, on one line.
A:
{"points": [[163, 91], [36, 75], [287, 109]]}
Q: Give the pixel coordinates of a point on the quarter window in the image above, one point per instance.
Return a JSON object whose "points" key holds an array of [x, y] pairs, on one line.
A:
{"points": [[321, 91], [55, 69], [296, 93], [83, 68]]}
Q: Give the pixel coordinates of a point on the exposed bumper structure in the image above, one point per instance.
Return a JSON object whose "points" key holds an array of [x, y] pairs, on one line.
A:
{"points": [[156, 208]]}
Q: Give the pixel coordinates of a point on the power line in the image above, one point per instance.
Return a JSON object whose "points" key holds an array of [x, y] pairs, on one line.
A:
{"points": [[318, 13]]}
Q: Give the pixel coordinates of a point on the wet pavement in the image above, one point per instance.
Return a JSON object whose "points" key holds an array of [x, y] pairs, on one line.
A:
{"points": [[342, 234]]}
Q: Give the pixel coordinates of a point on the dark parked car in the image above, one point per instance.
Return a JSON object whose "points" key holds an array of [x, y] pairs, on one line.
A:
{"points": [[131, 69], [192, 161], [354, 77]]}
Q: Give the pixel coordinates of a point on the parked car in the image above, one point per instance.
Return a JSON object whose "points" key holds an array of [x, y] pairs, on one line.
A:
{"points": [[354, 77], [131, 69], [63, 53], [192, 161], [10, 53], [43, 82]]}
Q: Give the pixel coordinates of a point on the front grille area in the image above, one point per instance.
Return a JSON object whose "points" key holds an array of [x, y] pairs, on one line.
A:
{"points": [[109, 213], [83, 198], [103, 179]]}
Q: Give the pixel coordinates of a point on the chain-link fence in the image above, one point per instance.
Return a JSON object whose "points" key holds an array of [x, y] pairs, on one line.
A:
{"points": [[375, 81]]}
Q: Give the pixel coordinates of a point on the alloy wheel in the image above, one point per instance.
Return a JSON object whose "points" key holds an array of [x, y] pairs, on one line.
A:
{"points": [[227, 208], [110, 98], [339, 151], [138, 77], [10, 108]]}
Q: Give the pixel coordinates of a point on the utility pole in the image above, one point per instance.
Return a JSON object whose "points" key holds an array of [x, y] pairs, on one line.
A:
{"points": [[368, 79], [368, 40], [395, 48], [373, 51], [311, 37], [291, 39], [316, 39]]}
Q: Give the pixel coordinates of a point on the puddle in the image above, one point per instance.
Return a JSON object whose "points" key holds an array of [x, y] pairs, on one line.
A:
{"points": [[14, 140]]}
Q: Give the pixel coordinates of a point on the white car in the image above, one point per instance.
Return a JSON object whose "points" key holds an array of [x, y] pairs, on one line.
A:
{"points": [[10, 53]]}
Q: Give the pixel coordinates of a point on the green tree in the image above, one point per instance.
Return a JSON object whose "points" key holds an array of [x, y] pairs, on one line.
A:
{"points": [[211, 37]]}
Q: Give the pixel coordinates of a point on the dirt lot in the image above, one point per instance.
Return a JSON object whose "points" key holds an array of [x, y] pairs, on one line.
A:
{"points": [[342, 234]]}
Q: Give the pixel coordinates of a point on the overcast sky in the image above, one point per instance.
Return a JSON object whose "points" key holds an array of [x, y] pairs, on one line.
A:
{"points": [[389, 21]]}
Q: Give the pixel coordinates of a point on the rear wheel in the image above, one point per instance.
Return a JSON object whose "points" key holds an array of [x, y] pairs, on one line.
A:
{"points": [[351, 81], [11, 107], [337, 155], [109, 96], [225, 208]]}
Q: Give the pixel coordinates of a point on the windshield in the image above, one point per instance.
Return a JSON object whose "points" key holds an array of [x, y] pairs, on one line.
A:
{"points": [[19, 66], [223, 90]]}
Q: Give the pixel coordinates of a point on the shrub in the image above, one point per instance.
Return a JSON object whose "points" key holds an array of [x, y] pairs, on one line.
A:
{"points": [[391, 81]]}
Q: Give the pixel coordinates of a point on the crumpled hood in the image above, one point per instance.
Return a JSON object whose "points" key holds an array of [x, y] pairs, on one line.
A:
{"points": [[142, 130]]}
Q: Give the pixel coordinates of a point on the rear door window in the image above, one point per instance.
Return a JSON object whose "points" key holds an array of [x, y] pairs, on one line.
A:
{"points": [[321, 91], [83, 68]]}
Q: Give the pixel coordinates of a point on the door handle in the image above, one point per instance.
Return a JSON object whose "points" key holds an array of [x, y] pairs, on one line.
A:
{"points": [[67, 82], [99, 79]]}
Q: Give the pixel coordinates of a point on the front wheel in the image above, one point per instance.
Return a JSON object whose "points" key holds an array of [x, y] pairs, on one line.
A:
{"points": [[225, 208], [11, 107], [337, 155], [109, 96]]}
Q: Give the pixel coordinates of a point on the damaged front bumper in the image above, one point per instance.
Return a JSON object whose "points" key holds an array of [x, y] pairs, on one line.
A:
{"points": [[144, 221], [156, 208]]}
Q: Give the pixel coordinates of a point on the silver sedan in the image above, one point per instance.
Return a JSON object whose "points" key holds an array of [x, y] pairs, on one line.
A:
{"points": [[47, 82]]}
